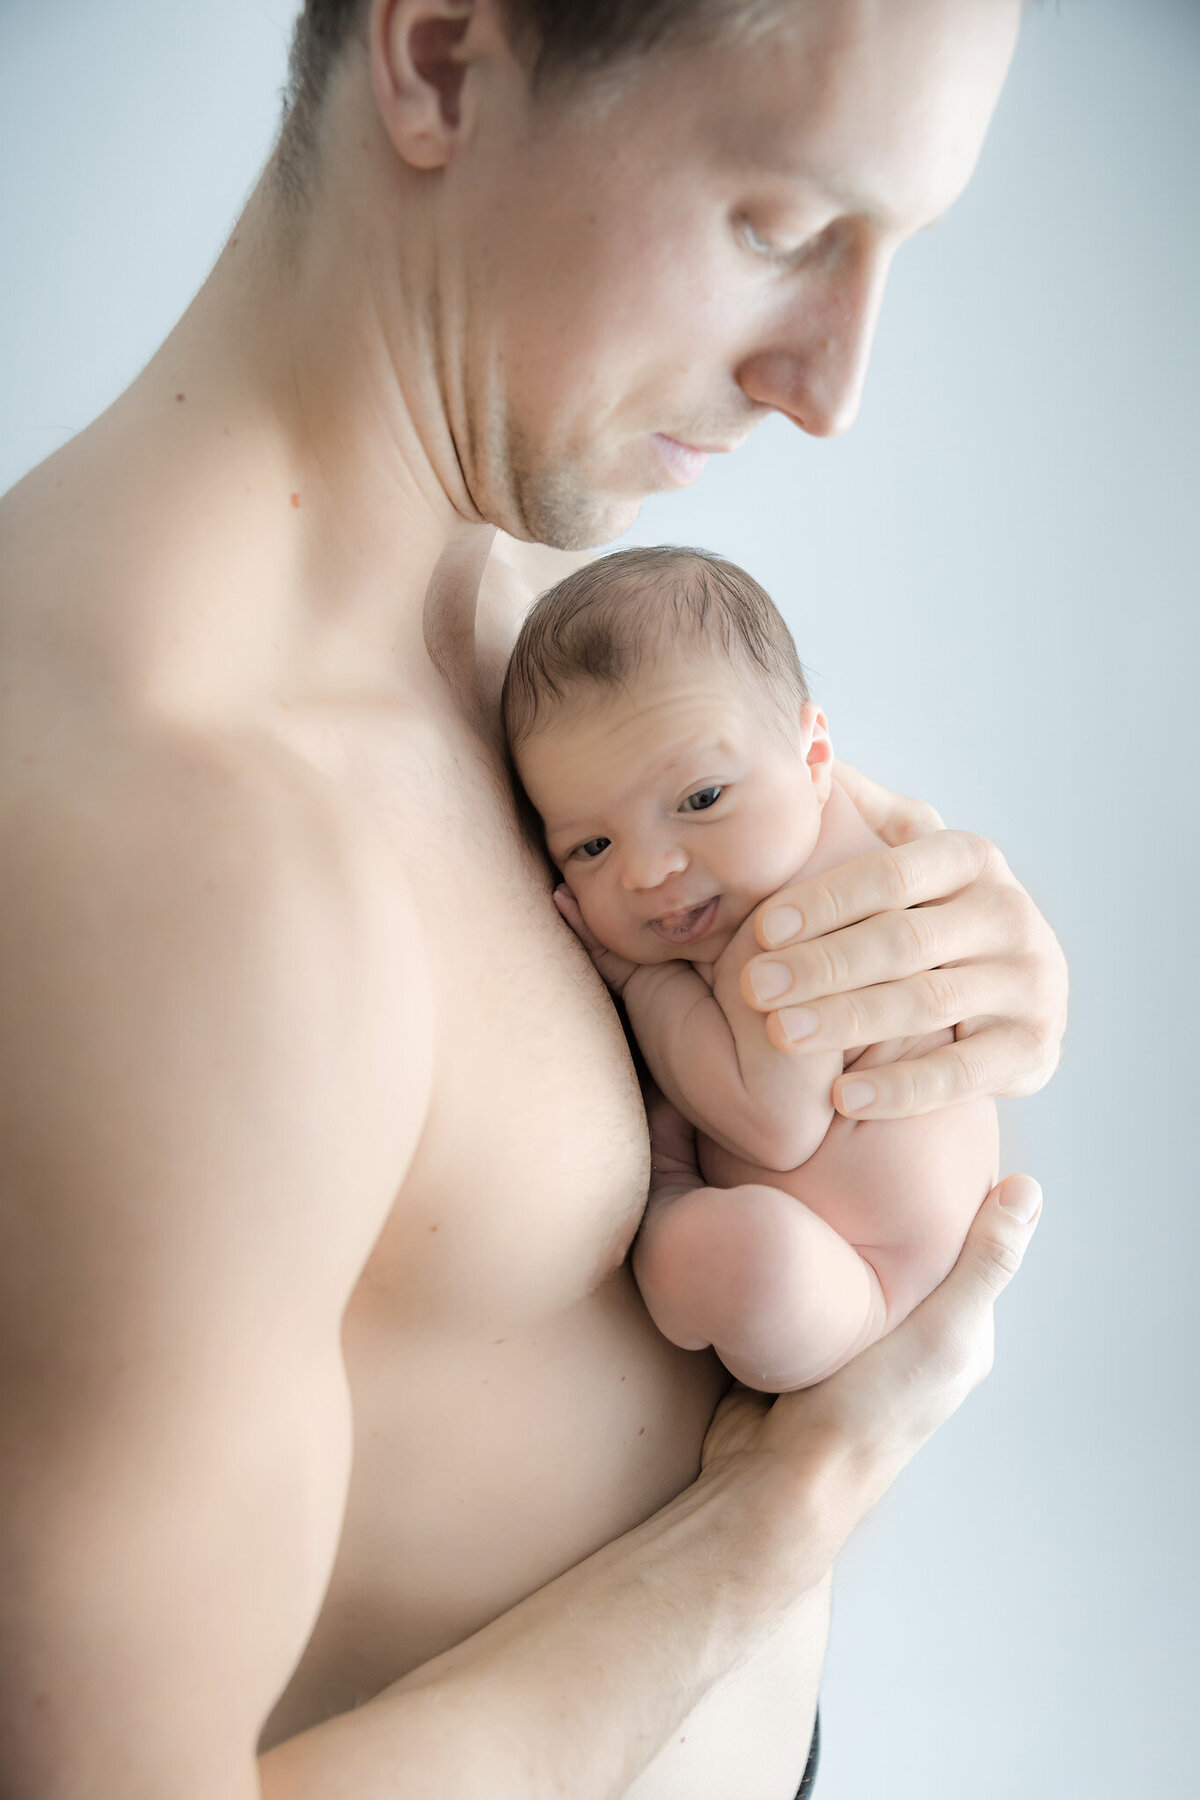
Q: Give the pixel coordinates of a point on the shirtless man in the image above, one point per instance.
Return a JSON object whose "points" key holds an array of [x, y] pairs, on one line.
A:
{"points": [[339, 1454]]}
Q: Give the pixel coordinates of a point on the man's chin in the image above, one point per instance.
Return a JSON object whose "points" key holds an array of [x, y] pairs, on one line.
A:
{"points": [[565, 513], [590, 529]]}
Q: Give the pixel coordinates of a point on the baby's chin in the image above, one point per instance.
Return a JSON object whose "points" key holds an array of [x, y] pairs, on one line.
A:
{"points": [[654, 950]]}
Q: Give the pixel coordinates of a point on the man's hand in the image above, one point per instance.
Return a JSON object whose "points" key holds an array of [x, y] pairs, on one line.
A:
{"points": [[867, 1421], [933, 932]]}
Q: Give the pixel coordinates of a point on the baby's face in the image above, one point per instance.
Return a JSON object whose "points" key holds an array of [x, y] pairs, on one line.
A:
{"points": [[674, 806]]}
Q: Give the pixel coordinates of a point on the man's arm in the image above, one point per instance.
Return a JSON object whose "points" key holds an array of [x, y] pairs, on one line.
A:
{"points": [[193, 1172], [575, 1690]]}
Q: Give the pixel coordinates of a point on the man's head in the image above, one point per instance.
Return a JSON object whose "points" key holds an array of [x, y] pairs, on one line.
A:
{"points": [[633, 229], [660, 722]]}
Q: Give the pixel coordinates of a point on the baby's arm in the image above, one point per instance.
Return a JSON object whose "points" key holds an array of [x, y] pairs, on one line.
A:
{"points": [[710, 1055]]}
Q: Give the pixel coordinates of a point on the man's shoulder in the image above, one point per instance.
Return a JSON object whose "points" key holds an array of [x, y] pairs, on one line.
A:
{"points": [[233, 807], [192, 922]]}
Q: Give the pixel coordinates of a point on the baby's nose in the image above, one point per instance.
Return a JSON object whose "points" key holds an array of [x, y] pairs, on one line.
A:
{"points": [[649, 865]]}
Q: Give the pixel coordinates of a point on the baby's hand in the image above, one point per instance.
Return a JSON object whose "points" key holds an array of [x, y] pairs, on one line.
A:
{"points": [[614, 970]]}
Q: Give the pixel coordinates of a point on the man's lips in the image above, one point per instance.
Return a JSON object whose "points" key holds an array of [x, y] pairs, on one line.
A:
{"points": [[688, 924], [685, 462]]}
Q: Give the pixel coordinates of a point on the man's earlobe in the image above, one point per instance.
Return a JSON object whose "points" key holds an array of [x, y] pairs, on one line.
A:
{"points": [[419, 68]]}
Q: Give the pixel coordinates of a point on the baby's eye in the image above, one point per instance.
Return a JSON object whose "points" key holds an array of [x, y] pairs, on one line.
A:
{"points": [[594, 847], [702, 800]]}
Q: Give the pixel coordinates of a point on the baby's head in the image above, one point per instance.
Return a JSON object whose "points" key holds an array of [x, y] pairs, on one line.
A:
{"points": [[660, 722]]}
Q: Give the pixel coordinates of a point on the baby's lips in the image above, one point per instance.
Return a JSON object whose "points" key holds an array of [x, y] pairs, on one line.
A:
{"points": [[686, 922], [682, 916]]}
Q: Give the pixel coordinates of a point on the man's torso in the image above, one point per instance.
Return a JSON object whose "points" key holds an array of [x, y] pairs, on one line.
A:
{"points": [[514, 1407]]}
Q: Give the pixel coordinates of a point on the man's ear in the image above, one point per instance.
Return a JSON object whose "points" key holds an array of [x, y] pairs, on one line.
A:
{"points": [[421, 57], [818, 751]]}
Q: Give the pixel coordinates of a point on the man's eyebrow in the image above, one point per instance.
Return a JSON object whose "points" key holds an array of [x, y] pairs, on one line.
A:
{"points": [[851, 204]]}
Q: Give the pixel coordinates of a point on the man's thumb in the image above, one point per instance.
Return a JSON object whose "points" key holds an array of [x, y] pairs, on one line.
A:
{"points": [[1002, 1228]]}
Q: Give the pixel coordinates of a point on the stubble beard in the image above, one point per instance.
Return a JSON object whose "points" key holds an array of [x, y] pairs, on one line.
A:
{"points": [[557, 504]]}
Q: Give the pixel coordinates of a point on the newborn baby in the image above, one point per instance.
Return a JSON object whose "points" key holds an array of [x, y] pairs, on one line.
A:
{"points": [[660, 723]]}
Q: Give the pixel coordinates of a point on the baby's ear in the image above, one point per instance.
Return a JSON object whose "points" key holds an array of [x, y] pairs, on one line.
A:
{"points": [[818, 751]]}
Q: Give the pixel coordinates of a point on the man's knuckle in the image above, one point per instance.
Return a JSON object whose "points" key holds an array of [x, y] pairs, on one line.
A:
{"points": [[984, 854], [937, 997], [819, 905], [915, 933], [919, 819], [1017, 916], [1036, 1050], [901, 876], [859, 1027], [998, 1263], [899, 1090], [968, 1068], [824, 968]]}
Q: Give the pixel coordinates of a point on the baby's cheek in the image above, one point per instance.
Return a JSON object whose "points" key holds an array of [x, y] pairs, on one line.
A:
{"points": [[597, 916]]}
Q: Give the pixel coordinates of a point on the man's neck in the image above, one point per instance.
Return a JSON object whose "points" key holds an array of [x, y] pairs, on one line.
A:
{"points": [[289, 446]]}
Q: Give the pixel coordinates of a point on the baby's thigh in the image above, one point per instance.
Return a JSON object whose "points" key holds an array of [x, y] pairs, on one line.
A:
{"points": [[904, 1192], [741, 1265]]}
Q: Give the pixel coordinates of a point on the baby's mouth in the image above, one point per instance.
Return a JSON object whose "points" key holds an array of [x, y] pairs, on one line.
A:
{"points": [[688, 924]]}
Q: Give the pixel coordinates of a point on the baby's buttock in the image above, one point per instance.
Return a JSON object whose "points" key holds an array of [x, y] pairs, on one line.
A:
{"points": [[902, 1191]]}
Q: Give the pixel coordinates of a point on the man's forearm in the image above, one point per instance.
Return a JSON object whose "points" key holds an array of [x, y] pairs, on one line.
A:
{"points": [[575, 1690]]}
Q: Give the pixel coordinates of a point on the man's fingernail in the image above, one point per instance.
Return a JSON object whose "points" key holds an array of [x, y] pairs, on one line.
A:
{"points": [[780, 924], [769, 980], [1021, 1197], [798, 1022], [857, 1096]]}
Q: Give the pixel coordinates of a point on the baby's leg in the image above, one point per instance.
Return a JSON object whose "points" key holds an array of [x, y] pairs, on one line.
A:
{"points": [[752, 1271]]}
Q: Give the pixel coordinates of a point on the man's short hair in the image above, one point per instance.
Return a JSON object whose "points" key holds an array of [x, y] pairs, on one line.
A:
{"points": [[558, 38], [604, 620]]}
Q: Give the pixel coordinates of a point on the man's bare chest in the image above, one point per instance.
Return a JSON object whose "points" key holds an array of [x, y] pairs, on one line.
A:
{"points": [[530, 1174]]}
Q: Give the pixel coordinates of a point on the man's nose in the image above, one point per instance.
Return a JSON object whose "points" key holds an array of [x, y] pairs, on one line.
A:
{"points": [[648, 862], [813, 365]]}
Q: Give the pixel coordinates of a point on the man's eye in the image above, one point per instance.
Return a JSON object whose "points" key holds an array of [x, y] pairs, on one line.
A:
{"points": [[701, 801], [788, 255], [755, 241], [593, 847]]}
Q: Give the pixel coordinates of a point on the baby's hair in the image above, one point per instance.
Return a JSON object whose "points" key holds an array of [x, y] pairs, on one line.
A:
{"points": [[599, 624]]}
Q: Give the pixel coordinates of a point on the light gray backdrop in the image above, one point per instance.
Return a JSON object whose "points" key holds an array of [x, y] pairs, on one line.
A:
{"points": [[994, 579]]}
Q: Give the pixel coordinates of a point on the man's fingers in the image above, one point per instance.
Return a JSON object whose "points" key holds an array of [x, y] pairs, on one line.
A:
{"points": [[986, 1062], [885, 1403], [984, 922], [953, 1325], [933, 1000], [883, 881], [895, 818]]}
